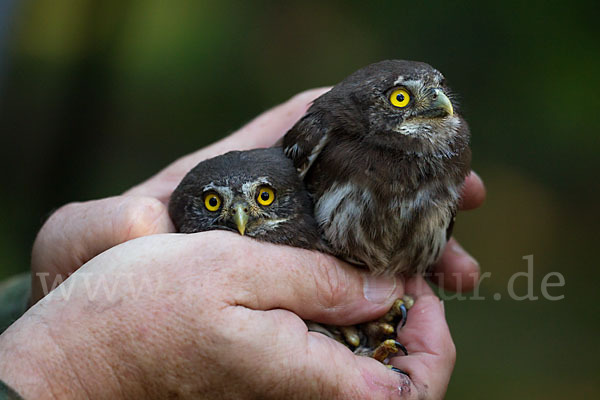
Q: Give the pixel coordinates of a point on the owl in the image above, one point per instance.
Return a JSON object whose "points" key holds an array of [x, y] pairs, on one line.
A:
{"points": [[384, 155], [258, 193]]}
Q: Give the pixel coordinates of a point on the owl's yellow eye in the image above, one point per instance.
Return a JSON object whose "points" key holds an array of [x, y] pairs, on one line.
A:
{"points": [[266, 196], [399, 98], [212, 202]]}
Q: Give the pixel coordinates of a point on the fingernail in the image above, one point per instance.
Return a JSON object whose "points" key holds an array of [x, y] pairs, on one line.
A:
{"points": [[459, 251], [443, 306], [379, 289]]}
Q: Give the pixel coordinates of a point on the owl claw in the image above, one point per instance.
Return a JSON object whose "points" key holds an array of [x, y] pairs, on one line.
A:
{"points": [[387, 348], [403, 316], [401, 347], [374, 339], [398, 370], [399, 309], [403, 305], [386, 327]]}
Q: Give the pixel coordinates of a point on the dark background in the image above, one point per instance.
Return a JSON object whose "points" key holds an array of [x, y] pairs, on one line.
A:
{"points": [[96, 96]]}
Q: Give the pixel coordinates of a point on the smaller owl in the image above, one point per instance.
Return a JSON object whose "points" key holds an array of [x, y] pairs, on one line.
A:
{"points": [[256, 193]]}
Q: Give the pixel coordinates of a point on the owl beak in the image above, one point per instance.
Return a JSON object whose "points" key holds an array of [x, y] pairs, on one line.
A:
{"points": [[441, 102], [240, 216]]}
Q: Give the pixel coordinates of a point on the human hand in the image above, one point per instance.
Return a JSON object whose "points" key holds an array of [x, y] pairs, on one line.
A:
{"points": [[215, 315], [81, 231], [78, 232]]}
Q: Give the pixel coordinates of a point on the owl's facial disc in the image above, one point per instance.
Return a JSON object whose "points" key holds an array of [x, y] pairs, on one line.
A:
{"points": [[424, 112], [415, 115]]}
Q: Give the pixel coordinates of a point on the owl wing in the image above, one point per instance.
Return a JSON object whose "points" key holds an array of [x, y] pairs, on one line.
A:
{"points": [[304, 141]]}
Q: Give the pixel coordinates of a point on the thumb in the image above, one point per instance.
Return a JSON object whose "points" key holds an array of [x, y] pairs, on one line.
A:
{"points": [[77, 232], [313, 285]]}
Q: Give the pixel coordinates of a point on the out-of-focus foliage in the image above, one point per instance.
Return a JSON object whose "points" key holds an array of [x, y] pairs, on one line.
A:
{"points": [[96, 96]]}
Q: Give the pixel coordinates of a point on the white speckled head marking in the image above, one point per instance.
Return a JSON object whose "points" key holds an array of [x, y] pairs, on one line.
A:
{"points": [[249, 188], [224, 191]]}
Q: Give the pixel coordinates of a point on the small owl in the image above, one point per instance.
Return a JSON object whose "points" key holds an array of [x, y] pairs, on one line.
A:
{"points": [[256, 193], [384, 154]]}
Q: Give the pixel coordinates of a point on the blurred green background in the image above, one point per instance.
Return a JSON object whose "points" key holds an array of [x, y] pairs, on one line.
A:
{"points": [[96, 96]]}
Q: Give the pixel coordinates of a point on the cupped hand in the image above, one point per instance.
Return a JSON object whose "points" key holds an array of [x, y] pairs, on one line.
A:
{"points": [[215, 315], [78, 232]]}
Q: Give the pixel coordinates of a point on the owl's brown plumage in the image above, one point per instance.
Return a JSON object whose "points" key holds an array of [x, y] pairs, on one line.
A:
{"points": [[234, 183], [384, 154]]}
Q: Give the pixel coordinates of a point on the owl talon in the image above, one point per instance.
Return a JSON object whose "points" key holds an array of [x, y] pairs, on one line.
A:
{"points": [[403, 313], [379, 330], [398, 312], [398, 370], [387, 348], [401, 347], [406, 303], [351, 335]]}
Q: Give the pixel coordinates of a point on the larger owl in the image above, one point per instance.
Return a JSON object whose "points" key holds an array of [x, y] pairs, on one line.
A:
{"points": [[384, 154]]}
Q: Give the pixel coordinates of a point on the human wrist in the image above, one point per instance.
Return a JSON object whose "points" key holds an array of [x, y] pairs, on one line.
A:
{"points": [[37, 367], [25, 356]]}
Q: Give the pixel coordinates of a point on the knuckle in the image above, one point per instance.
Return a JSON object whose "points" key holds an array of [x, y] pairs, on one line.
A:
{"points": [[57, 221], [451, 353], [332, 284], [141, 216], [64, 213], [51, 243]]}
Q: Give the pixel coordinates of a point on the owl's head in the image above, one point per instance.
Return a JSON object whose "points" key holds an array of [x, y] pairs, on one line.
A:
{"points": [[256, 193], [393, 103]]}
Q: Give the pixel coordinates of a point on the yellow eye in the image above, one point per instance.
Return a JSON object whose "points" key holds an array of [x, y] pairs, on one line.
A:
{"points": [[266, 196], [400, 98], [212, 202]]}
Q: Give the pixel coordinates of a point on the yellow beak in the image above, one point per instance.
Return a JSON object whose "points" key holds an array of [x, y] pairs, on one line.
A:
{"points": [[441, 101], [240, 216]]}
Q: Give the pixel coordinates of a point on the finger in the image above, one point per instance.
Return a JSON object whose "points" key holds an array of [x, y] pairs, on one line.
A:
{"points": [[473, 192], [456, 270], [78, 232], [263, 131], [313, 285], [431, 351], [314, 365]]}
